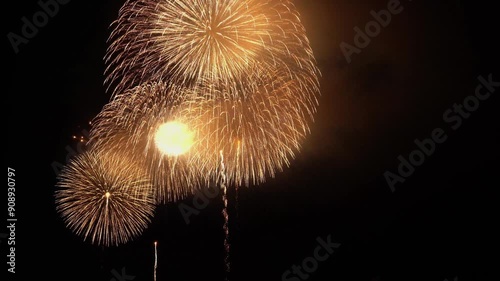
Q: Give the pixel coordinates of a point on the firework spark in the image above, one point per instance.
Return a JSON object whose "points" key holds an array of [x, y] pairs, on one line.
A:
{"points": [[104, 197], [187, 41], [173, 138]]}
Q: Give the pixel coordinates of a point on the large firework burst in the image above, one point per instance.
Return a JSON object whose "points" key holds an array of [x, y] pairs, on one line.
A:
{"points": [[186, 41], [104, 197]]}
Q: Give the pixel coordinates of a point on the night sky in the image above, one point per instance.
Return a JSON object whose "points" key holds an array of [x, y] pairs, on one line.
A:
{"points": [[438, 224]]}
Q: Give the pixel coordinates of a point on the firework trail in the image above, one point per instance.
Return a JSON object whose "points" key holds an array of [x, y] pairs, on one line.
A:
{"points": [[130, 123], [156, 261], [225, 213], [186, 42], [104, 197]]}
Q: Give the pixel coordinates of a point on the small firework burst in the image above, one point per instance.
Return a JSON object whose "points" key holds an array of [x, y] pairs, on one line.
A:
{"points": [[104, 197]]}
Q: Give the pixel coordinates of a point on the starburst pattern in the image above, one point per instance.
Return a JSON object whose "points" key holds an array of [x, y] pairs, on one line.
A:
{"points": [[104, 197], [187, 41]]}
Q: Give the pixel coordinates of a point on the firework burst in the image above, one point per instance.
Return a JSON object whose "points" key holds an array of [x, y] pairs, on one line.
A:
{"points": [[104, 197], [258, 125], [187, 41], [131, 122]]}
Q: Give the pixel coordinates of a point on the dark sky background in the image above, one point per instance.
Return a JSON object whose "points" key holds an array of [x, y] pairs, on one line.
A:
{"points": [[438, 224]]}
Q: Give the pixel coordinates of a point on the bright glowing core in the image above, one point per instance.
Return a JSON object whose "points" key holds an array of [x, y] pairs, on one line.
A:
{"points": [[173, 138]]}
